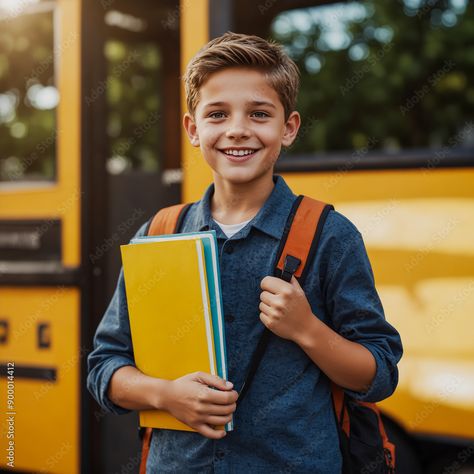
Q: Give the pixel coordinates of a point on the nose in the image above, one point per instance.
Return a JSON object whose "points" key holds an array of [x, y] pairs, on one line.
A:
{"points": [[238, 129]]}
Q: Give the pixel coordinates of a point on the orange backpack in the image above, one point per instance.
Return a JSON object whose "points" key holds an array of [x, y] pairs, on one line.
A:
{"points": [[357, 421]]}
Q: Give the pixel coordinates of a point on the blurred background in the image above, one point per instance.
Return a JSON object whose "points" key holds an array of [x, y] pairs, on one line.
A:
{"points": [[91, 146]]}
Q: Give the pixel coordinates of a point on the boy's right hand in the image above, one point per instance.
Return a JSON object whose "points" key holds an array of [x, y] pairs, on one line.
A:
{"points": [[190, 400]]}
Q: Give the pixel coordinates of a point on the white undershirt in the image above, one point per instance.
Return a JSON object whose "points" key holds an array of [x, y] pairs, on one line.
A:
{"points": [[231, 229]]}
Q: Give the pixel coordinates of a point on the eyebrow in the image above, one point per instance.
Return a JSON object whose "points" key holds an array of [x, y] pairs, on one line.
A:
{"points": [[254, 103]]}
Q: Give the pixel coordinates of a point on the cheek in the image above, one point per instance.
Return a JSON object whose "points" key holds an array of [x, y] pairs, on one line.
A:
{"points": [[270, 136], [208, 136]]}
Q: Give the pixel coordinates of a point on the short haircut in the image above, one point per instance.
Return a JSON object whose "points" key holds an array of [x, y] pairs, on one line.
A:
{"points": [[240, 50]]}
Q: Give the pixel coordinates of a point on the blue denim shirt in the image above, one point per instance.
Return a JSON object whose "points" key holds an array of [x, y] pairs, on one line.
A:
{"points": [[286, 422]]}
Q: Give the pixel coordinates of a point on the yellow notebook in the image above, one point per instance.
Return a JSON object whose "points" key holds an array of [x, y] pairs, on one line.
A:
{"points": [[170, 319]]}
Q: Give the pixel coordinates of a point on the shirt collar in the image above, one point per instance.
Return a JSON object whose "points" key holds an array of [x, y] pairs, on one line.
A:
{"points": [[271, 217]]}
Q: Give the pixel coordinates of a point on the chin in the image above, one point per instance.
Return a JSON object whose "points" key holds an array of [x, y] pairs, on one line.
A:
{"points": [[242, 176]]}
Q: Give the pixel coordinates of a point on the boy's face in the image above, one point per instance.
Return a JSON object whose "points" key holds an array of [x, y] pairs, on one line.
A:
{"points": [[239, 124]]}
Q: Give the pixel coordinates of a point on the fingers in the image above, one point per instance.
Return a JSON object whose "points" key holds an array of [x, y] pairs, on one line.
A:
{"points": [[266, 297], [265, 308], [221, 410], [209, 402], [225, 396], [209, 432], [220, 398], [218, 420], [213, 381]]}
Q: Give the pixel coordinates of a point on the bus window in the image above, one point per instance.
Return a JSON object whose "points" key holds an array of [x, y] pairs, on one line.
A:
{"points": [[28, 95], [134, 106], [141, 64], [383, 75]]}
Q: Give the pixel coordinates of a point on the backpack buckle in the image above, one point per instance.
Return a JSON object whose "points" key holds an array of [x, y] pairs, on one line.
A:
{"points": [[289, 268]]}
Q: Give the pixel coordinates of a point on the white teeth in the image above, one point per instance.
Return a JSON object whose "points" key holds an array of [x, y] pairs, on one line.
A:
{"points": [[238, 152]]}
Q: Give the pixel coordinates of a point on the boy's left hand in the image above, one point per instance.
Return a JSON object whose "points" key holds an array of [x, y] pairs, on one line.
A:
{"points": [[285, 310]]}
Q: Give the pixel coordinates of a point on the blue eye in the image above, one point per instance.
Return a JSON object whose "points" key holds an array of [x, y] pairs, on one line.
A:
{"points": [[260, 114], [216, 115]]}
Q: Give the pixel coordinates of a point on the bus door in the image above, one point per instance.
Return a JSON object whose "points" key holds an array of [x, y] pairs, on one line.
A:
{"points": [[131, 155]]}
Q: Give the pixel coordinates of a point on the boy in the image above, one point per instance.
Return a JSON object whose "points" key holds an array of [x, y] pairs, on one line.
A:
{"points": [[241, 94]]}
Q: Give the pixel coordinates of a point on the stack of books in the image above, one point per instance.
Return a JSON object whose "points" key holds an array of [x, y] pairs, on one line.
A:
{"points": [[175, 309]]}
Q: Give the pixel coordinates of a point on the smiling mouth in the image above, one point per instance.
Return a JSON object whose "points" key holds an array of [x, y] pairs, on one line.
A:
{"points": [[238, 152], [238, 155]]}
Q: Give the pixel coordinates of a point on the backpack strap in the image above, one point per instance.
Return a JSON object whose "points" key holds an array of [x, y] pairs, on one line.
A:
{"points": [[340, 408], [145, 434], [300, 238], [297, 249], [166, 221]]}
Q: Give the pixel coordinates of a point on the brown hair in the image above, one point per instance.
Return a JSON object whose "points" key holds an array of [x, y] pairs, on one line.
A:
{"points": [[234, 50]]}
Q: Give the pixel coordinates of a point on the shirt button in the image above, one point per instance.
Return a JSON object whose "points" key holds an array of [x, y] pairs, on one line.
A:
{"points": [[229, 248], [229, 318], [220, 454]]}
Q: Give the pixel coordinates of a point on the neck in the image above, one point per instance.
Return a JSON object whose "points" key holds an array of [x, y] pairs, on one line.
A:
{"points": [[233, 203]]}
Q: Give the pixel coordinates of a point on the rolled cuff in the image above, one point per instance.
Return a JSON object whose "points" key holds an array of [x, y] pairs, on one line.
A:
{"points": [[384, 382], [99, 390]]}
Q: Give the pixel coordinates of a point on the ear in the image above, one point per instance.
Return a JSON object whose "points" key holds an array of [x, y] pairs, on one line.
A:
{"points": [[191, 129], [292, 126]]}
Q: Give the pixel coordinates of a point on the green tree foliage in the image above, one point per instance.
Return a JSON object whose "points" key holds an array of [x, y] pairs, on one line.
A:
{"points": [[28, 98], [378, 74], [133, 105]]}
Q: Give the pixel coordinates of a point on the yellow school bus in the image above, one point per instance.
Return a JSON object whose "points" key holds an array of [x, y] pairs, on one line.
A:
{"points": [[91, 146]]}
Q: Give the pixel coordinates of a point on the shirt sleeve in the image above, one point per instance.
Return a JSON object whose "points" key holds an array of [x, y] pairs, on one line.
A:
{"points": [[112, 345], [357, 314]]}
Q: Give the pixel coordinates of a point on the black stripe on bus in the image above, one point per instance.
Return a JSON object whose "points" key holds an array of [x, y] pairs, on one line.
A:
{"points": [[20, 371], [37, 276], [408, 159]]}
